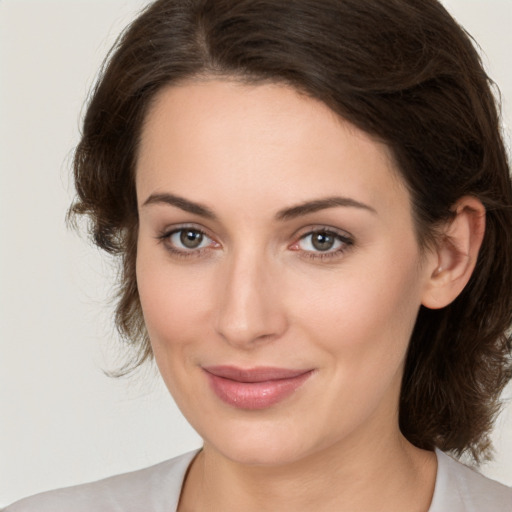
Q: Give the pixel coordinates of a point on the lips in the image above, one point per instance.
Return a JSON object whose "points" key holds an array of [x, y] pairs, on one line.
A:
{"points": [[256, 388]]}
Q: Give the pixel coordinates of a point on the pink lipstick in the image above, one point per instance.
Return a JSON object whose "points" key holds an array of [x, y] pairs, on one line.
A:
{"points": [[256, 388]]}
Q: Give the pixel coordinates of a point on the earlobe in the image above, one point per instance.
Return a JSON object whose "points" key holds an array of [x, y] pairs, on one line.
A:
{"points": [[456, 253]]}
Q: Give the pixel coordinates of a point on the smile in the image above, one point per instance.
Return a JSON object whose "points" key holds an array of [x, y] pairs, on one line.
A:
{"points": [[256, 388]]}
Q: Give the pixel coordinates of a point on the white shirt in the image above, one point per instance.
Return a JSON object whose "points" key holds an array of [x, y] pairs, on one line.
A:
{"points": [[157, 489]]}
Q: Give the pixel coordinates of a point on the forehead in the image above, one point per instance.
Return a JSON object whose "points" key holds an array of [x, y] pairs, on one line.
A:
{"points": [[264, 141]]}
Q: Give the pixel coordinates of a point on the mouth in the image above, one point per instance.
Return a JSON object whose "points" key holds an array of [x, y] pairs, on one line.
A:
{"points": [[255, 388]]}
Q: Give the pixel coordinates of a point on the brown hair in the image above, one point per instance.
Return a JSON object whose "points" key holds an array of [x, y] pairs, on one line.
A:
{"points": [[401, 70]]}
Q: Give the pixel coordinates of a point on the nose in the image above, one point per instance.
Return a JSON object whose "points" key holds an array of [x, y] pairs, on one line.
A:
{"points": [[250, 309]]}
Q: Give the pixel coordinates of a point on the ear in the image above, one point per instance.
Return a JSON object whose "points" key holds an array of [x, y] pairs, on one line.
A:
{"points": [[453, 261]]}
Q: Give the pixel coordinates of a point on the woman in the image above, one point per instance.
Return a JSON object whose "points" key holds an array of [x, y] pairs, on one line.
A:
{"points": [[311, 203]]}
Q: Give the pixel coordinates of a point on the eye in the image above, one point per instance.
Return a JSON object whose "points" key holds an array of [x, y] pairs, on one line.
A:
{"points": [[323, 243], [187, 241], [320, 241]]}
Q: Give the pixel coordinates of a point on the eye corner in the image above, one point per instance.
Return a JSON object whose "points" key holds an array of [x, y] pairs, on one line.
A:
{"points": [[294, 246]]}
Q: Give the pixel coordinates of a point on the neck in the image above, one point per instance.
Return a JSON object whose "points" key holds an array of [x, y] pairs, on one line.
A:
{"points": [[380, 474]]}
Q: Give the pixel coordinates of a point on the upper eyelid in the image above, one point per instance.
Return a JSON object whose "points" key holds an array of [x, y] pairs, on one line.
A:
{"points": [[322, 228], [165, 238], [168, 231], [296, 236], [345, 240], [165, 234]]}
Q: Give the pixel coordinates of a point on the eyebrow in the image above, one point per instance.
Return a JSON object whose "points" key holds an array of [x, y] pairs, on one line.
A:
{"points": [[283, 215], [321, 204], [182, 203]]}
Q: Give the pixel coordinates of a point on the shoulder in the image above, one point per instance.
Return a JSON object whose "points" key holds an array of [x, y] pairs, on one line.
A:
{"points": [[461, 489], [153, 489]]}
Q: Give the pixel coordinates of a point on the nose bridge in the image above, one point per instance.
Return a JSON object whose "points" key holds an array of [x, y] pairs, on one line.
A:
{"points": [[249, 306]]}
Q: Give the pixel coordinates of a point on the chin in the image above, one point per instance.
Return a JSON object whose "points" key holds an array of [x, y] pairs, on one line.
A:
{"points": [[261, 445], [254, 455]]}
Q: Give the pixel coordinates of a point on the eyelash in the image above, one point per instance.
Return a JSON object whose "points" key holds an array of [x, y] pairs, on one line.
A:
{"points": [[346, 243], [165, 236]]}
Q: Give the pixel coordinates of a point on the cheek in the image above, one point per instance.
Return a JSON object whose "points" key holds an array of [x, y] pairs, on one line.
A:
{"points": [[170, 303], [360, 325], [364, 314], [170, 300]]}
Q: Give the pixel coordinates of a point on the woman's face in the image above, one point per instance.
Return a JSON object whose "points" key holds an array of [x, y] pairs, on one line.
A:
{"points": [[278, 270]]}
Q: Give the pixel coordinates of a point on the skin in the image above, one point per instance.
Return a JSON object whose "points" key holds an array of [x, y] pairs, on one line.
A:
{"points": [[258, 293]]}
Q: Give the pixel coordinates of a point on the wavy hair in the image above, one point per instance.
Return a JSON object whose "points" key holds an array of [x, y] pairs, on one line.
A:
{"points": [[403, 71]]}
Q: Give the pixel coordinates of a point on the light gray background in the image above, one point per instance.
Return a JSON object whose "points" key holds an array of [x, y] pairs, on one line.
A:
{"points": [[61, 420]]}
